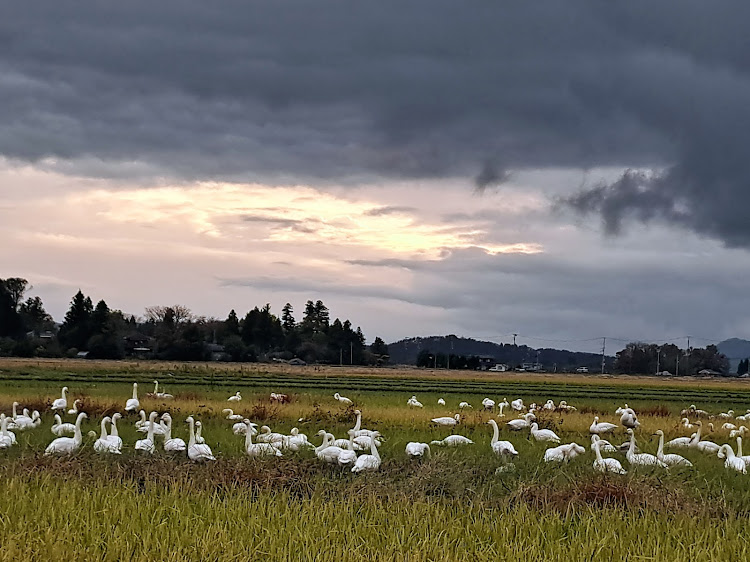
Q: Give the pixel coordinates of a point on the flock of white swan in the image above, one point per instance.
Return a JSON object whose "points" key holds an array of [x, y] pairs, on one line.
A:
{"points": [[359, 451]]}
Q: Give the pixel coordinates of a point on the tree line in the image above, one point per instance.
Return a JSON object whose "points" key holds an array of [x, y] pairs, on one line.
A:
{"points": [[175, 333], [648, 358]]}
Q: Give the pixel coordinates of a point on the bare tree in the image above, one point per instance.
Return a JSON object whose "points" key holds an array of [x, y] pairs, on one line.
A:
{"points": [[177, 313]]}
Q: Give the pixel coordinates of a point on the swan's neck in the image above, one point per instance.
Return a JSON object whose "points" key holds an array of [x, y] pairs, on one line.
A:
{"points": [[502, 405], [143, 416], [698, 433], [374, 449], [729, 451], [113, 430], [63, 393], [15, 415], [104, 429], [597, 451], [631, 449], [660, 450], [192, 432], [168, 430], [135, 392], [150, 436], [200, 429], [359, 422], [350, 445], [156, 387], [495, 432], [249, 437], [58, 419], [77, 435], [739, 446]]}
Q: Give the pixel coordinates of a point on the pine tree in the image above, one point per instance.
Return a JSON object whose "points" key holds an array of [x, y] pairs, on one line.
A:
{"points": [[287, 318], [232, 323]]}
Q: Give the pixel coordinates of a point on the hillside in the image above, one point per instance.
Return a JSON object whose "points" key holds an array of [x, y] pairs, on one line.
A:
{"points": [[736, 350], [405, 352]]}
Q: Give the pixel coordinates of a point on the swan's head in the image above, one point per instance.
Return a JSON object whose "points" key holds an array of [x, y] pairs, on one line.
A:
{"points": [[630, 431], [265, 429], [189, 419], [337, 396], [65, 389], [659, 432], [91, 434], [596, 419], [152, 416], [225, 410], [534, 426], [357, 413], [730, 412], [135, 385], [321, 433], [116, 416], [166, 416], [699, 423], [594, 438], [457, 417]]}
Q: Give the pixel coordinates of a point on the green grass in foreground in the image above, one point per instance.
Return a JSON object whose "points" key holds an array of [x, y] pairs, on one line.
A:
{"points": [[48, 519]]}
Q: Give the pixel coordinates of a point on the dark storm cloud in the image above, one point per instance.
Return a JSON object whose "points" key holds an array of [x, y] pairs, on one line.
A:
{"points": [[334, 91]]}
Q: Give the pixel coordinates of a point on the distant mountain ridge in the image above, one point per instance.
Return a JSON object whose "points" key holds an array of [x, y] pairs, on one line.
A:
{"points": [[736, 350], [404, 352]]}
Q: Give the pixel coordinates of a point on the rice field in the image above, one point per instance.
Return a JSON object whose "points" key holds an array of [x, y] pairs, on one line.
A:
{"points": [[451, 506]]}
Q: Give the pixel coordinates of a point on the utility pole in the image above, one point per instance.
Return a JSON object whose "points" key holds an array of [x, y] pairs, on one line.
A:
{"points": [[658, 356], [604, 345], [677, 364], [514, 340], [687, 354], [351, 353], [341, 357]]}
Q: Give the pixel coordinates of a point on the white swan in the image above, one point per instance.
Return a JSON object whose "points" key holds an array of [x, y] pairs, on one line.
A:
{"points": [[236, 398], [543, 434], [326, 452], [74, 410], [517, 405], [59, 428], [732, 461], [521, 423], [240, 428], [197, 451], [114, 436], [608, 464], [103, 444], [441, 402], [549, 405], [726, 415], [463, 405], [447, 420], [741, 430], [488, 404], [162, 395], [563, 453], [453, 441], [61, 403], [24, 422], [417, 450], [258, 449], [368, 462], [670, 459], [267, 436], [358, 425], [601, 428], [728, 426], [686, 423], [414, 403], [133, 404], [171, 444], [603, 444], [682, 442], [343, 399], [67, 445], [7, 438], [500, 408], [198, 437], [703, 446], [231, 415], [745, 458], [347, 457], [500, 448], [148, 445], [640, 459], [629, 419]]}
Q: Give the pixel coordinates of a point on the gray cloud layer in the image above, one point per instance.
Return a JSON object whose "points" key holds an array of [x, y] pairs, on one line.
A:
{"points": [[331, 90]]}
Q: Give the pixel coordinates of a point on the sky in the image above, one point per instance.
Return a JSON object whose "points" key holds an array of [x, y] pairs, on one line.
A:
{"points": [[562, 171]]}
